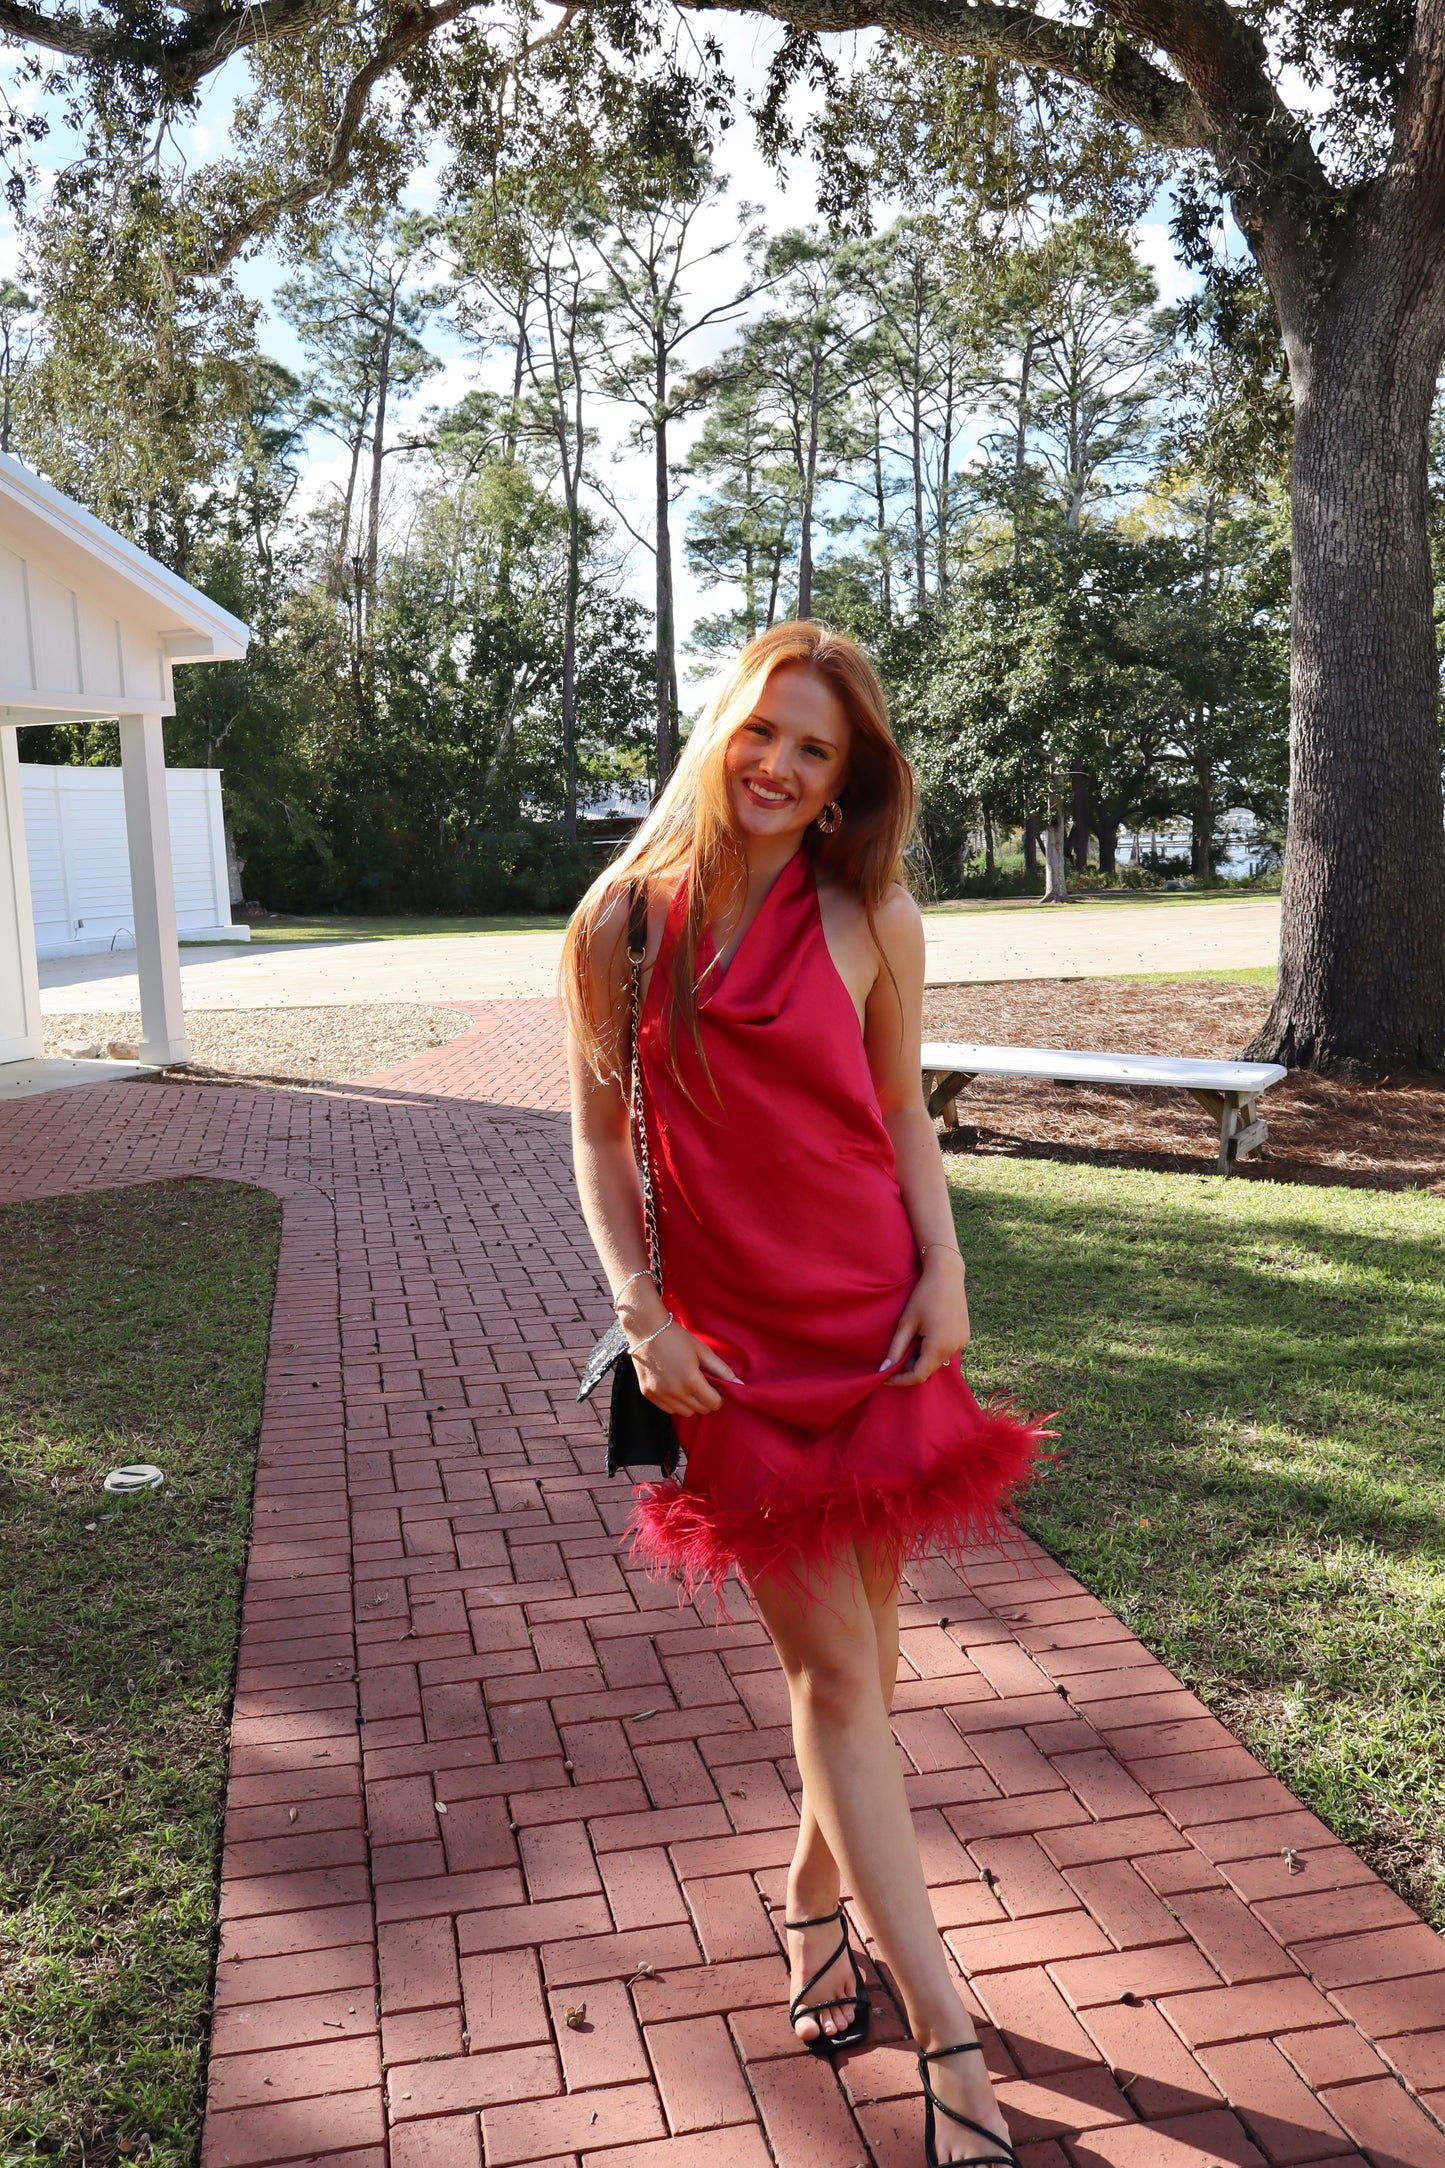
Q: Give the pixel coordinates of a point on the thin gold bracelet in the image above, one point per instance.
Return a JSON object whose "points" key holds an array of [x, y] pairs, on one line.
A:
{"points": [[925, 1247]]}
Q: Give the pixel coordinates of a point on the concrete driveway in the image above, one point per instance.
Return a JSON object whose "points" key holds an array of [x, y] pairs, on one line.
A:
{"points": [[1087, 940]]}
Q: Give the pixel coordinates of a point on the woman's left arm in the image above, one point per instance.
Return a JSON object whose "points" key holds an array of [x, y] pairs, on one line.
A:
{"points": [[937, 1311]]}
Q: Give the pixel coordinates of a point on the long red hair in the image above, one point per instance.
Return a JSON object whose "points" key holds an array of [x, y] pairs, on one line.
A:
{"points": [[689, 832]]}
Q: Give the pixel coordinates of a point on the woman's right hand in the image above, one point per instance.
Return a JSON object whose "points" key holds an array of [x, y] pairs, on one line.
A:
{"points": [[673, 1370]]}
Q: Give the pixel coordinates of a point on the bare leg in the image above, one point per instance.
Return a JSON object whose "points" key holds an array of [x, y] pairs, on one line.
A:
{"points": [[814, 1883], [828, 1644]]}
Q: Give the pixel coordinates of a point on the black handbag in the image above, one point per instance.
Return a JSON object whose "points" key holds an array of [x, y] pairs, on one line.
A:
{"points": [[639, 1434]]}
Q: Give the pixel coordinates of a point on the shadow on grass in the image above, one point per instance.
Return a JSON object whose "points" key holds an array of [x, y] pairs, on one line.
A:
{"points": [[969, 1141], [1252, 1468]]}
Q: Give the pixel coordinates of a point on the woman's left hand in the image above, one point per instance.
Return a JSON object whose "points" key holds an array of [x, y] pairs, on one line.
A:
{"points": [[936, 1316]]}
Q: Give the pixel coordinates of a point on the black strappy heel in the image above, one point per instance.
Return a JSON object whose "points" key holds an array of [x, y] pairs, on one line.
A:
{"points": [[932, 2106], [857, 2032]]}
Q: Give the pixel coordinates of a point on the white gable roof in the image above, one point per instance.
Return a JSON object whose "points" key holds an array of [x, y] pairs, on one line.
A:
{"points": [[89, 624]]}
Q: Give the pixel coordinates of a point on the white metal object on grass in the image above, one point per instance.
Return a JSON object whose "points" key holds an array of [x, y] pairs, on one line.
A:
{"points": [[138, 1476]]}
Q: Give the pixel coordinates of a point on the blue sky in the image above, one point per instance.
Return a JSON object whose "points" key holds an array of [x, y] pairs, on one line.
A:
{"points": [[786, 200]]}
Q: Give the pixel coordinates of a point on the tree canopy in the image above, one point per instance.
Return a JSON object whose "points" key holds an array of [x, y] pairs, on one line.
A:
{"points": [[1318, 129]]}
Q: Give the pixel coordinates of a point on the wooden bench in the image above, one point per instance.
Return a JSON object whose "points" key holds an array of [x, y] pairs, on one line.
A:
{"points": [[1228, 1091]]}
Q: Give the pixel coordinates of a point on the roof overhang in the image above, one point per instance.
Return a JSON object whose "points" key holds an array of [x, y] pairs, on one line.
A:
{"points": [[36, 518]]}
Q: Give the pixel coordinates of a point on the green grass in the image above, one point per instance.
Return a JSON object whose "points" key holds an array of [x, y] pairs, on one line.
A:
{"points": [[280, 932], [1253, 1469], [133, 1326], [285, 931], [1232, 975], [1144, 898]]}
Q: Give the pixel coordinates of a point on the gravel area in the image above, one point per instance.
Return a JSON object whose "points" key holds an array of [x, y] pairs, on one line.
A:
{"points": [[293, 1046], [1382, 1136]]}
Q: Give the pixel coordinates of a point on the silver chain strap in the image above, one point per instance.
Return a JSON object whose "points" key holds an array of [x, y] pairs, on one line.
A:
{"points": [[637, 1113]]}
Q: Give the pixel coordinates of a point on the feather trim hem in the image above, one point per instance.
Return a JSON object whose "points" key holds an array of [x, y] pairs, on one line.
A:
{"points": [[698, 1541]]}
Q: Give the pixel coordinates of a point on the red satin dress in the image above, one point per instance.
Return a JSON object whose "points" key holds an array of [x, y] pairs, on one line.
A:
{"points": [[787, 1249]]}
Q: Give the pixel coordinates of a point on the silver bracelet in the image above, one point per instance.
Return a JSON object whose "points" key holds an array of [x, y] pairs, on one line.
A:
{"points": [[643, 1272], [925, 1247], [638, 1346]]}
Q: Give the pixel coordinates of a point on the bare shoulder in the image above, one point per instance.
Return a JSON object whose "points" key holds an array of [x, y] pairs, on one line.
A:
{"points": [[900, 924], [603, 958], [899, 910], [610, 923]]}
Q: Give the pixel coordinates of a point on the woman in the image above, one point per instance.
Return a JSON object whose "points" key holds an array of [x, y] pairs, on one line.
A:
{"points": [[811, 1311]]}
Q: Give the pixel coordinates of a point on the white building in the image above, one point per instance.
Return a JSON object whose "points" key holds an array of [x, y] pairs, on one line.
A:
{"points": [[75, 839], [91, 627]]}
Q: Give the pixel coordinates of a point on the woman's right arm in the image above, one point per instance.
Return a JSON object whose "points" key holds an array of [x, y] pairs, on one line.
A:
{"points": [[673, 1368]]}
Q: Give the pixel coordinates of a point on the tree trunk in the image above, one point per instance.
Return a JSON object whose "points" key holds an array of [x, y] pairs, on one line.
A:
{"points": [[916, 430], [1056, 879], [945, 463], [988, 849], [666, 661], [880, 499], [1081, 813], [339, 568], [809, 479], [775, 579], [1108, 832], [1201, 825], [920, 530], [1031, 845], [1362, 938], [1021, 441], [378, 453], [569, 680]]}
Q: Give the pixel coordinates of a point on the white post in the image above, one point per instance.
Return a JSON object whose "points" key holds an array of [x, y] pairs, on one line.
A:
{"points": [[19, 979], [152, 890]]}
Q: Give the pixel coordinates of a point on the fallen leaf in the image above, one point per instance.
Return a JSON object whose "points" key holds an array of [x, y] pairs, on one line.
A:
{"points": [[737, 1795], [290, 1814], [642, 1716], [441, 1806]]}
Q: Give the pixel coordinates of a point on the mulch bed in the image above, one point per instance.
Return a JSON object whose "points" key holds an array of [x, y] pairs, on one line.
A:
{"points": [[1389, 1135], [280, 1045]]}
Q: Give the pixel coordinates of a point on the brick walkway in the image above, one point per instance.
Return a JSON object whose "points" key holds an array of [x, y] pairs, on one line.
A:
{"points": [[490, 1782]]}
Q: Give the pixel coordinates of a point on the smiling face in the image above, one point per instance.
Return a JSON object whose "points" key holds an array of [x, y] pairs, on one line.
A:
{"points": [[790, 756]]}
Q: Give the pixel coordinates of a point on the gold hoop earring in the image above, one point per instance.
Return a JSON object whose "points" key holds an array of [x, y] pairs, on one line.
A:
{"points": [[830, 820]]}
